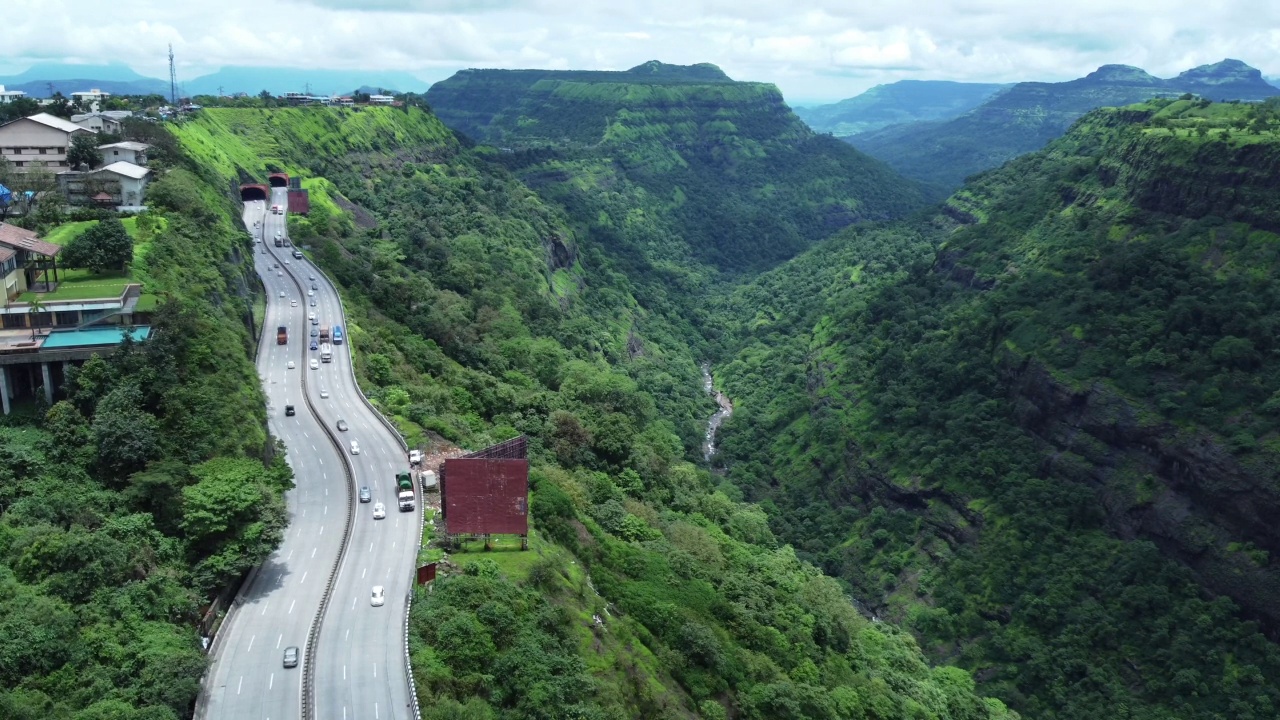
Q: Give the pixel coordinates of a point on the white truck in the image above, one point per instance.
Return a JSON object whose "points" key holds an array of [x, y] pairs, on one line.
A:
{"points": [[326, 353], [415, 457], [404, 480]]}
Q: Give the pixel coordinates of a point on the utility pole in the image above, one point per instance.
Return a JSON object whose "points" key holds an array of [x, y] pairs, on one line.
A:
{"points": [[173, 79], [220, 91], [50, 86]]}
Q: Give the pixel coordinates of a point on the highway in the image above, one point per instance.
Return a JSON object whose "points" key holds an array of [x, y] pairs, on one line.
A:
{"points": [[358, 658]]}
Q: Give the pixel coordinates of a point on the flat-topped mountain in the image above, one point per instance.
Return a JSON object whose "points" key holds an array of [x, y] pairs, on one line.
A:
{"points": [[725, 166], [1030, 114]]}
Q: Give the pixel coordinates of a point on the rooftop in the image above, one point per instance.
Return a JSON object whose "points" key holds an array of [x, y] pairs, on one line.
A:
{"points": [[52, 121], [14, 237], [126, 145], [127, 169]]}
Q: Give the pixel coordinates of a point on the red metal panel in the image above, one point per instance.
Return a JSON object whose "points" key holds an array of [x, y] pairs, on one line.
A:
{"points": [[426, 573], [483, 496], [299, 201]]}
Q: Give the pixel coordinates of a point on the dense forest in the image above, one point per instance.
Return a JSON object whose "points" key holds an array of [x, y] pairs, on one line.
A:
{"points": [[1037, 427], [148, 487]]}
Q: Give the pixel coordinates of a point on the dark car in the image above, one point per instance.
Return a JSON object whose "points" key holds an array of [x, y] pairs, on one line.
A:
{"points": [[315, 345], [289, 411], [342, 425], [315, 286], [291, 656], [365, 494]]}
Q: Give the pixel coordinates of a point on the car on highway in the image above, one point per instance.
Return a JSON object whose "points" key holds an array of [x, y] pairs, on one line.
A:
{"points": [[311, 277], [379, 597], [355, 448], [315, 332], [293, 303], [342, 425], [379, 511], [291, 365], [315, 345], [313, 302], [286, 261], [324, 393], [279, 273], [281, 293], [291, 656], [314, 286], [311, 293], [289, 411], [365, 494], [315, 364]]}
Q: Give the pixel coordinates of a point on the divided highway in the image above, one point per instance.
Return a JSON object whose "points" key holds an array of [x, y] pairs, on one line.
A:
{"points": [[358, 657]]}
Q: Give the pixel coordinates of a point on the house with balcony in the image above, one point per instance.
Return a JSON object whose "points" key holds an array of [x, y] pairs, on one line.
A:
{"points": [[52, 318], [38, 141], [128, 151], [7, 96], [120, 185]]}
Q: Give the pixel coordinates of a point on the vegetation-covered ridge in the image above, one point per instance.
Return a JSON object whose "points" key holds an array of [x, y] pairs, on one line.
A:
{"points": [[1029, 115], [905, 101], [477, 312], [1039, 428], [691, 177], [147, 488]]}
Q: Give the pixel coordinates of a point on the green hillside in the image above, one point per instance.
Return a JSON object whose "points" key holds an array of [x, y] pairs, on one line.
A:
{"points": [[1029, 115], [689, 170], [477, 311], [1040, 428]]}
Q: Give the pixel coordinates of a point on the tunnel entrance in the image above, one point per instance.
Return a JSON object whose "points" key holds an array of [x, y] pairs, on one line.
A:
{"points": [[254, 192], [278, 180]]}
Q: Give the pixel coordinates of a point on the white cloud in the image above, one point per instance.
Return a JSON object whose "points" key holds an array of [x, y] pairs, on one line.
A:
{"points": [[811, 48]]}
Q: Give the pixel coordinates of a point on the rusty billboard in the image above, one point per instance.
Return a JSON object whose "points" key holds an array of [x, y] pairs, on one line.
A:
{"points": [[487, 492]]}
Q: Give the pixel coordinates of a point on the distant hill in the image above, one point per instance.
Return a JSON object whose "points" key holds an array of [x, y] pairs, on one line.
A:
{"points": [[122, 80], [724, 172], [1029, 115], [900, 102]]}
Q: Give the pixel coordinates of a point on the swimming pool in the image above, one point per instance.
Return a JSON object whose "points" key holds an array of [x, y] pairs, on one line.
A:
{"points": [[90, 337]]}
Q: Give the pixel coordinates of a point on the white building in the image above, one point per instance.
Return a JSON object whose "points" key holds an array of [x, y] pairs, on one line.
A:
{"points": [[130, 152], [97, 122], [131, 179], [381, 99], [90, 98], [10, 95], [38, 141]]}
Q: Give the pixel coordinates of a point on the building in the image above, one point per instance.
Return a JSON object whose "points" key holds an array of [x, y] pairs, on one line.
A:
{"points": [[107, 121], [38, 141], [130, 152], [119, 184], [45, 328], [90, 98], [381, 99], [10, 95]]}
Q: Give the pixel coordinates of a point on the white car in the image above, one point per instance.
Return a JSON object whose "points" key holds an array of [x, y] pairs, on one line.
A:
{"points": [[379, 511], [291, 365], [281, 293], [280, 273], [311, 293], [286, 261], [324, 393], [315, 364], [355, 448], [379, 597], [293, 303]]}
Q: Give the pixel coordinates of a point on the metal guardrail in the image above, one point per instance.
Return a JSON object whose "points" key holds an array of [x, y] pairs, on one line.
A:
{"points": [[404, 446]]}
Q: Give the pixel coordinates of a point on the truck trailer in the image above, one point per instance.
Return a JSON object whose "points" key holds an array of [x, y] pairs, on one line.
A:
{"points": [[404, 480], [282, 335]]}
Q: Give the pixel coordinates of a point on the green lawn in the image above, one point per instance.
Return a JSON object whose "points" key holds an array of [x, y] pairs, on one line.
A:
{"points": [[82, 285]]}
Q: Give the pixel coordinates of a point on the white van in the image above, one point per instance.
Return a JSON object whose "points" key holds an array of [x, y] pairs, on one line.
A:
{"points": [[355, 448]]}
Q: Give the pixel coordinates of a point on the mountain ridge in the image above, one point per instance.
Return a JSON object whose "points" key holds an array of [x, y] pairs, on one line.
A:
{"points": [[896, 103], [1030, 114]]}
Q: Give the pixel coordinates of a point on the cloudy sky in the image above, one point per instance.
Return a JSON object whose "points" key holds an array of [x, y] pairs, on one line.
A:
{"points": [[812, 49]]}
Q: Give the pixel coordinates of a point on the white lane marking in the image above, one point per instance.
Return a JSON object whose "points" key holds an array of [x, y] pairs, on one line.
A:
{"points": [[266, 605], [290, 555], [370, 547], [279, 640], [375, 711], [304, 578], [348, 635], [251, 639], [353, 603], [362, 572], [375, 669], [313, 552], [326, 509], [291, 604], [304, 512], [344, 672], [321, 529], [271, 681], [393, 544], [240, 685]]}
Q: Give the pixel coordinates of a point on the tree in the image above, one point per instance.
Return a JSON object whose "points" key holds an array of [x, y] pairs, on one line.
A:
{"points": [[84, 151], [105, 246]]}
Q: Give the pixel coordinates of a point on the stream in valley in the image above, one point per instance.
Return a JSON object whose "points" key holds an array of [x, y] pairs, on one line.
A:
{"points": [[722, 414]]}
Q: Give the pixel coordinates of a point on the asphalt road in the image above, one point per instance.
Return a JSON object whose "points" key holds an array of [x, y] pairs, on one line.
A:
{"points": [[359, 655]]}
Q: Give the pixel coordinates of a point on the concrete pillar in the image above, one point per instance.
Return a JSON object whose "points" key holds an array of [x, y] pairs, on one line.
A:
{"points": [[48, 382], [4, 388]]}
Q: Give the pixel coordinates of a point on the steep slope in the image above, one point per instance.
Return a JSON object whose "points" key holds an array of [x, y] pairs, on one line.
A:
{"points": [[1031, 114], [476, 314], [1041, 428], [726, 175], [901, 102]]}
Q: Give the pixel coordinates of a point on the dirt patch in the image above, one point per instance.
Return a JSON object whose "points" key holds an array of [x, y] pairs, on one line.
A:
{"points": [[364, 219]]}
